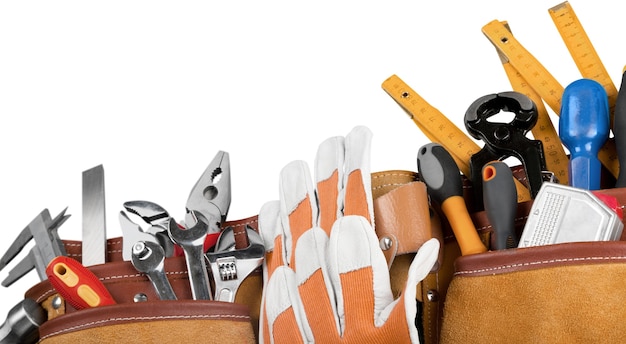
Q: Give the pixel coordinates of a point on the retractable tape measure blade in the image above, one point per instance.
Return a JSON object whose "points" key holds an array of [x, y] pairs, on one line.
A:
{"points": [[439, 129], [540, 79], [582, 51]]}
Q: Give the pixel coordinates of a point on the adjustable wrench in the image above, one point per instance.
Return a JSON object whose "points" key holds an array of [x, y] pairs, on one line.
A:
{"points": [[230, 266], [148, 258], [192, 241]]}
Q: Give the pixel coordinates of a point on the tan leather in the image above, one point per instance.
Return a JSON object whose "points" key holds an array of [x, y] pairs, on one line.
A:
{"points": [[182, 321], [565, 293], [406, 220]]}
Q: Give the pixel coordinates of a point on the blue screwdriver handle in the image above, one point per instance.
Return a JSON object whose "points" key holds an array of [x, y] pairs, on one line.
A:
{"points": [[583, 129]]}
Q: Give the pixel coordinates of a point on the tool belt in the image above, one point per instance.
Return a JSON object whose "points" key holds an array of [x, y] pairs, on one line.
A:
{"points": [[402, 223], [556, 293]]}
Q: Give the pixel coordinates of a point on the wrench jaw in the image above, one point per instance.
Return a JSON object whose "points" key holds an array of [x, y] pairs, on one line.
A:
{"points": [[149, 258], [192, 241], [153, 215], [230, 266]]}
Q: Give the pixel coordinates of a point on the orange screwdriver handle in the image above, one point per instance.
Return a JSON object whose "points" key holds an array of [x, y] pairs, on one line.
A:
{"points": [[77, 284], [443, 181]]}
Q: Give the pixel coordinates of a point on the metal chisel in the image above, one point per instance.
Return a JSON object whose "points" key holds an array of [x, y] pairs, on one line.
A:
{"points": [[94, 219]]}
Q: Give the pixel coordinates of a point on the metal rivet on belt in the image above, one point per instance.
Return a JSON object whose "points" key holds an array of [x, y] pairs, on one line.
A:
{"points": [[432, 295], [386, 243], [57, 302], [140, 297]]}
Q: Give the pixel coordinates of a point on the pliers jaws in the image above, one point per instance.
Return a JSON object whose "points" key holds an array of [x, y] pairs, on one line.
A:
{"points": [[211, 195]]}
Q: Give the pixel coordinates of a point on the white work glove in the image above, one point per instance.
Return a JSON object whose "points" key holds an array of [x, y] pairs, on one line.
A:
{"points": [[326, 279]]}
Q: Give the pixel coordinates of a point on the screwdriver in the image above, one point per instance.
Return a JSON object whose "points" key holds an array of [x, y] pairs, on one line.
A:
{"points": [[443, 181], [500, 199], [583, 129], [619, 131], [22, 323], [77, 284]]}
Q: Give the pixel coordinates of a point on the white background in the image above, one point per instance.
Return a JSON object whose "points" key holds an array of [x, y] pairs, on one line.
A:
{"points": [[153, 89]]}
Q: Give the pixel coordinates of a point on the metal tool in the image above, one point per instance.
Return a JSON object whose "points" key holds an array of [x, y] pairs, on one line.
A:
{"points": [[77, 284], [562, 213], [231, 266], [540, 78], [48, 245], [157, 220], [211, 195], [500, 201], [544, 130], [94, 245], [619, 131], [438, 128], [503, 140], [22, 323], [192, 241], [149, 258], [584, 128], [443, 181]]}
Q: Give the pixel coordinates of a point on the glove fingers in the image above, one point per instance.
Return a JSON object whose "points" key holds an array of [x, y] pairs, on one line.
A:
{"points": [[271, 231], [357, 184], [358, 271], [329, 178], [284, 314], [314, 285], [298, 208]]}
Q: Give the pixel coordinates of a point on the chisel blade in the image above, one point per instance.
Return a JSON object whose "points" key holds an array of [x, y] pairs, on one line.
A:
{"points": [[94, 219]]}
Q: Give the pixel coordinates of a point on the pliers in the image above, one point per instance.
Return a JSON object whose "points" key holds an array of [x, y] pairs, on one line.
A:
{"points": [[211, 197]]}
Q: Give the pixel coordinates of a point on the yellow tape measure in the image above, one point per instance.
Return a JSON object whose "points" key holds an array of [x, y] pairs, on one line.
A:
{"points": [[438, 128], [582, 51], [541, 81], [555, 156]]}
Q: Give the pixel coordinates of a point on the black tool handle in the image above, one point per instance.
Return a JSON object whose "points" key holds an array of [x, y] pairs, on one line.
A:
{"points": [[619, 132], [500, 199], [439, 171]]}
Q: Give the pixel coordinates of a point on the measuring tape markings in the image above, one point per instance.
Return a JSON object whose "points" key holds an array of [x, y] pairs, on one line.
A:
{"points": [[556, 159], [538, 77], [582, 51], [555, 156], [439, 129]]}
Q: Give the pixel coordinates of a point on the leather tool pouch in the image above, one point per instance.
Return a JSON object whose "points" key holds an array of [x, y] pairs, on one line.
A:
{"points": [[564, 293], [149, 320], [403, 224]]}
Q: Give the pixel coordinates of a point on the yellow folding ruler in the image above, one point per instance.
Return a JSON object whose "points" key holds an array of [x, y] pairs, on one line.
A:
{"points": [[582, 51], [539, 79], [439, 129], [555, 156]]}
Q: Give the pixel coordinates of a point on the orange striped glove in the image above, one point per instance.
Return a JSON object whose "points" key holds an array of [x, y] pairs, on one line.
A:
{"points": [[325, 277]]}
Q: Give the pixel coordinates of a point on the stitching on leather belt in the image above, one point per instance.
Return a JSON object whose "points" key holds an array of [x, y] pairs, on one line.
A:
{"points": [[542, 262], [167, 317]]}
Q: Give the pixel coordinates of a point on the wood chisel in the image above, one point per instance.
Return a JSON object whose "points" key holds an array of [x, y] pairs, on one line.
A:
{"points": [[582, 51], [544, 130], [94, 217], [439, 129], [540, 79]]}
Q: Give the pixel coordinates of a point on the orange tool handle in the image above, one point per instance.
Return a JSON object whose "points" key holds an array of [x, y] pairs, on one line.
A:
{"points": [[443, 179], [456, 212], [77, 284]]}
